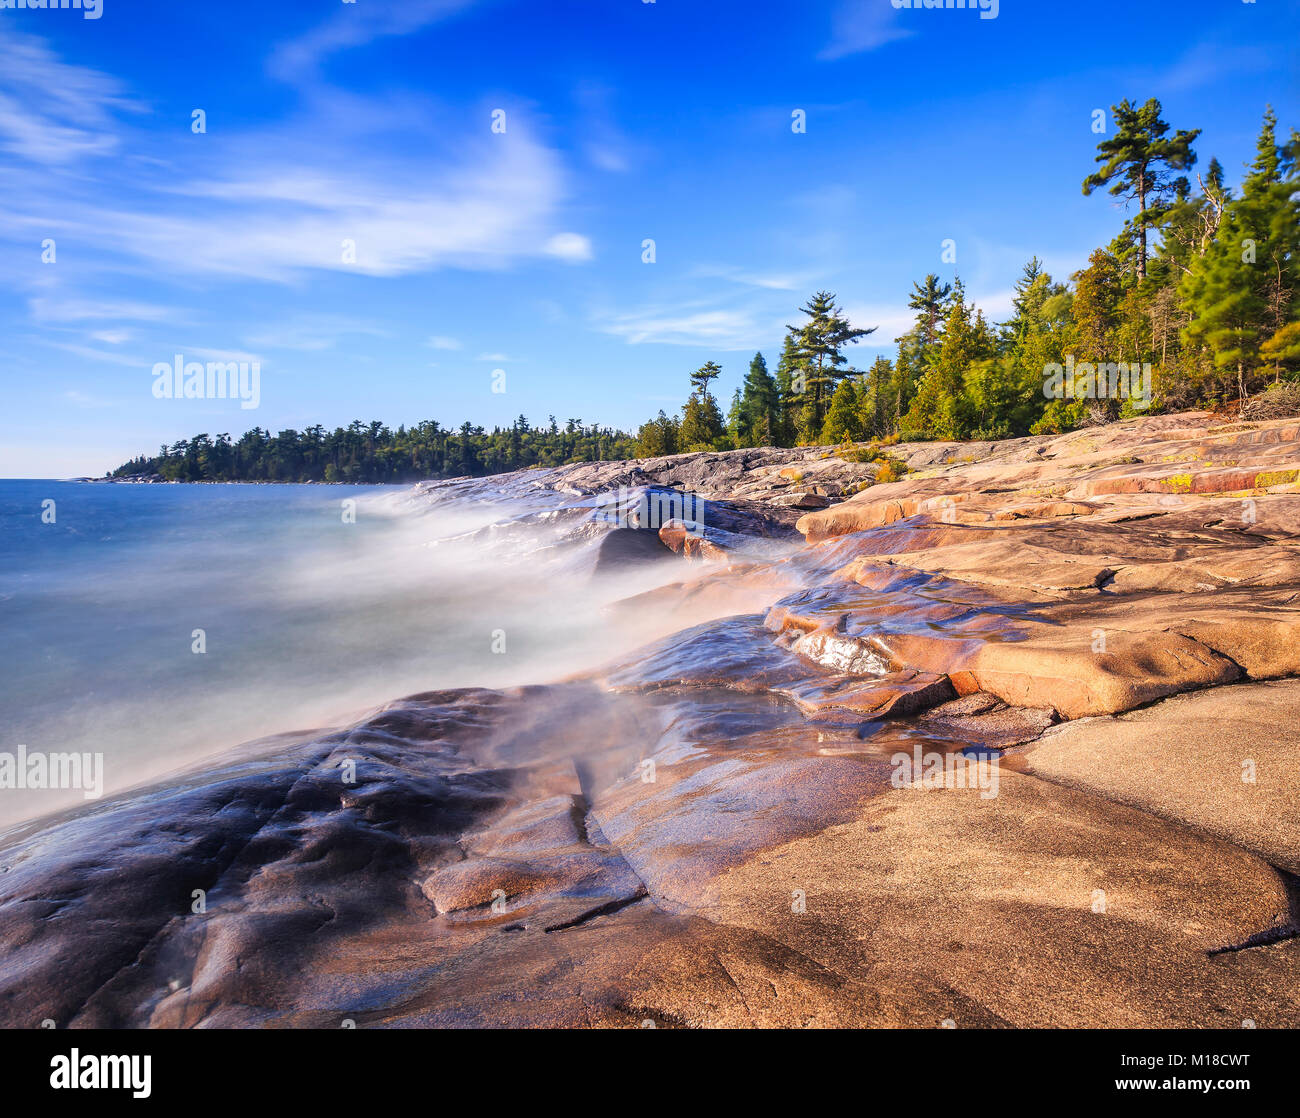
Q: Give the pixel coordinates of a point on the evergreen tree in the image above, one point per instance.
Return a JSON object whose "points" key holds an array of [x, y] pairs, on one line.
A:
{"points": [[877, 402], [701, 426], [941, 409], [657, 438], [843, 421], [736, 421], [930, 302], [788, 400], [1096, 307], [759, 406], [818, 347], [1239, 291], [1137, 164]]}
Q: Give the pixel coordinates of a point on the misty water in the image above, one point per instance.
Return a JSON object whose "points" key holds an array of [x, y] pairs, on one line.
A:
{"points": [[316, 603]]}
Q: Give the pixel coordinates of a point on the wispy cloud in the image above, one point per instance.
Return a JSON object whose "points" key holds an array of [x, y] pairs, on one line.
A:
{"points": [[50, 310], [891, 320], [1208, 63], [111, 337], [272, 204], [355, 26], [110, 357], [713, 328], [85, 400], [604, 145], [312, 333], [52, 112], [768, 281], [862, 25]]}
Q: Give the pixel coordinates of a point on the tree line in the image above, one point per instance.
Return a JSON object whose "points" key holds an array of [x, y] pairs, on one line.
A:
{"points": [[1199, 283], [370, 453]]}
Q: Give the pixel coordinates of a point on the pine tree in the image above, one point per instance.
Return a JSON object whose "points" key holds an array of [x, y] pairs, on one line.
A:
{"points": [[1239, 291], [877, 402], [701, 425], [788, 400], [1137, 164], [1040, 333], [821, 363], [657, 438], [843, 422], [930, 302], [1096, 307], [941, 409], [759, 405], [705, 373], [736, 421]]}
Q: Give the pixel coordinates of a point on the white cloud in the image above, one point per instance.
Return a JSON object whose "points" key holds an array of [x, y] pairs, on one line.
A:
{"points": [[83, 400], [355, 26], [573, 247], [862, 25], [274, 204], [1210, 63], [441, 341], [192, 352], [605, 146], [890, 320], [52, 112], [768, 281], [82, 310], [714, 328], [89, 353], [112, 337], [312, 333]]}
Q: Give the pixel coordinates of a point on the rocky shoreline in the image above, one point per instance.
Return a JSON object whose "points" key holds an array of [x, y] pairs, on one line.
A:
{"points": [[713, 831]]}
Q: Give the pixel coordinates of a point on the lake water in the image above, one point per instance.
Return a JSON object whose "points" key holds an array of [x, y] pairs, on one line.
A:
{"points": [[309, 615]]}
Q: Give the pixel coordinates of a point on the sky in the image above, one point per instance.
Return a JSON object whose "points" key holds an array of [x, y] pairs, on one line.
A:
{"points": [[521, 247]]}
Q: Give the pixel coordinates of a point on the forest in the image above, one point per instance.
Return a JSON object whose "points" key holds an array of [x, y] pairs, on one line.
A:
{"points": [[1199, 283]]}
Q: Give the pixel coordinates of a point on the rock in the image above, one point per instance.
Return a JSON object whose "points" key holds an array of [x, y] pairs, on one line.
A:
{"points": [[801, 500], [1223, 761], [728, 827], [995, 726], [628, 547]]}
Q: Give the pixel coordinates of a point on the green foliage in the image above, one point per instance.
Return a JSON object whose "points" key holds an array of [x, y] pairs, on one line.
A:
{"points": [[370, 453], [818, 361], [843, 418], [658, 437], [1138, 159], [701, 425], [1239, 291], [758, 416]]}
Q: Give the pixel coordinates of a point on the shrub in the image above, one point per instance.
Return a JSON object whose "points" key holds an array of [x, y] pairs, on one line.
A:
{"points": [[887, 474]]}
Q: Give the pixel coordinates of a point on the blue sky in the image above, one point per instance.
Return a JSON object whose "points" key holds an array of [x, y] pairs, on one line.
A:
{"points": [[522, 251]]}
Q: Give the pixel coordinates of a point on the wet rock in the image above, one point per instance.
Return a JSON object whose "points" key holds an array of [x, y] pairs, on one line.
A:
{"points": [[712, 831], [628, 547], [981, 720]]}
